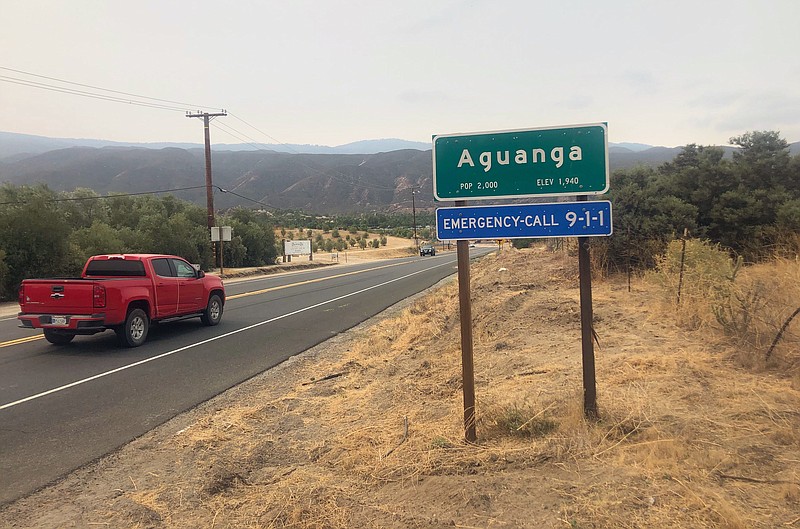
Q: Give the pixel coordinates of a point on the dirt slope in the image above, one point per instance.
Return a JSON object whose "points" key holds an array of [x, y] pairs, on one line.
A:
{"points": [[686, 438]]}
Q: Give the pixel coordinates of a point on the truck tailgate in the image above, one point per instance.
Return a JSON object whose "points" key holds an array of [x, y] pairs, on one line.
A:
{"points": [[57, 296]]}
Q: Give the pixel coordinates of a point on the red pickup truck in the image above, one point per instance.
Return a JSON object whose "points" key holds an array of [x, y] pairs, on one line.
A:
{"points": [[120, 292]]}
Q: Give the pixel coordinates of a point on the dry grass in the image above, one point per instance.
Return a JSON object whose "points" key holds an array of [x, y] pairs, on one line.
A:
{"points": [[747, 305], [776, 289], [686, 437]]}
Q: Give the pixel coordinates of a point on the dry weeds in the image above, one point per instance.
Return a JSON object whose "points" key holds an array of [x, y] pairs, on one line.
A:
{"points": [[366, 431]]}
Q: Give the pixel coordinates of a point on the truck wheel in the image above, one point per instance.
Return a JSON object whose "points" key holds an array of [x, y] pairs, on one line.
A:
{"points": [[213, 312], [57, 338], [133, 332]]}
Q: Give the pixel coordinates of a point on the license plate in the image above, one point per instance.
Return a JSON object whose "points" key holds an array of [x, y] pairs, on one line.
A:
{"points": [[58, 320]]}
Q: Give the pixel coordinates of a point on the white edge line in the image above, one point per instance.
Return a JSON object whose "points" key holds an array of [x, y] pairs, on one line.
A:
{"points": [[169, 353]]}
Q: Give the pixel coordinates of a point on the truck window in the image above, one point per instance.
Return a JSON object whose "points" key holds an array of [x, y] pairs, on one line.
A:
{"points": [[115, 268], [161, 267], [183, 268]]}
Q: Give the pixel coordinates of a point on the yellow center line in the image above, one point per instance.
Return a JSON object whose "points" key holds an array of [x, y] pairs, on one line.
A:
{"points": [[272, 289], [21, 340]]}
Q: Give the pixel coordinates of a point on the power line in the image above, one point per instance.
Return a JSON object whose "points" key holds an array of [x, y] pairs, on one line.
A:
{"points": [[104, 197], [72, 91], [248, 198], [262, 132], [118, 195], [185, 105], [239, 135]]}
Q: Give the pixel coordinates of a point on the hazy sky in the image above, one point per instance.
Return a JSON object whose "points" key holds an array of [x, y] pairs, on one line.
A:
{"points": [[331, 72]]}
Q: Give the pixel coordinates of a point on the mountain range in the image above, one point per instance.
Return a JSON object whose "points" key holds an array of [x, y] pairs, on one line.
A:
{"points": [[17, 146], [369, 175]]}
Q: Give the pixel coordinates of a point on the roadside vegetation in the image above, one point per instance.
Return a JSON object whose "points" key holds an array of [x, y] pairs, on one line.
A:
{"points": [[390, 224], [49, 234], [335, 240], [748, 204], [44, 233]]}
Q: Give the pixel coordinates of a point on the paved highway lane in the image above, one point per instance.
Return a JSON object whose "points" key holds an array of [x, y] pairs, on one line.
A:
{"points": [[62, 407]]}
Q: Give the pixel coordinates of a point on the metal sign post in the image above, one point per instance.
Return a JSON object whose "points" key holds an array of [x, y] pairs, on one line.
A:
{"points": [[467, 363], [587, 328]]}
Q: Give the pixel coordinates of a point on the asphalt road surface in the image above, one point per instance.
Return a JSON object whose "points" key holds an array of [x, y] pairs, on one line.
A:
{"points": [[64, 406]]}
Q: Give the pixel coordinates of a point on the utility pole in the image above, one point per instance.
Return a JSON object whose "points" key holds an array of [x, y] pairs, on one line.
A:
{"points": [[209, 184], [414, 214]]}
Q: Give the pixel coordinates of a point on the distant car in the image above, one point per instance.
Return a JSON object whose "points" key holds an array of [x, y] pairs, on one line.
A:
{"points": [[427, 249]]}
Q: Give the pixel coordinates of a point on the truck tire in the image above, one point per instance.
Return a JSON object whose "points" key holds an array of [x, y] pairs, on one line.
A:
{"points": [[58, 338], [133, 332], [213, 312]]}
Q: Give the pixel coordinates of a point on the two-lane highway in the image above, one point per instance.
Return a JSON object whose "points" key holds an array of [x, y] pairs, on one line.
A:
{"points": [[64, 406]]}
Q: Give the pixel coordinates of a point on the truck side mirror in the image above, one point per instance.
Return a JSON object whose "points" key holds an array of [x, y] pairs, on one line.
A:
{"points": [[200, 274]]}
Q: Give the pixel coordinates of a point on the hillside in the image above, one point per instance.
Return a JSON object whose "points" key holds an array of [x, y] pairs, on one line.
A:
{"points": [[328, 183], [321, 183], [365, 430], [317, 183]]}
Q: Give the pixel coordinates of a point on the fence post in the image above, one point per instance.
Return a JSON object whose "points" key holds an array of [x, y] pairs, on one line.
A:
{"points": [[683, 260]]}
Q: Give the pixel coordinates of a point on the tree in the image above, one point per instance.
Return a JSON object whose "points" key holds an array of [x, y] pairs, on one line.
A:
{"points": [[99, 238], [258, 240], [763, 160], [84, 208], [646, 218], [34, 236], [235, 252], [788, 216], [3, 275]]}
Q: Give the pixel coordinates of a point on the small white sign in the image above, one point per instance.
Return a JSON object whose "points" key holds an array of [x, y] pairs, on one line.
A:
{"points": [[221, 233], [297, 247]]}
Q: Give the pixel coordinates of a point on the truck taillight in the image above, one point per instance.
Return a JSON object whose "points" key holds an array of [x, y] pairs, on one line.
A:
{"points": [[21, 295], [99, 296]]}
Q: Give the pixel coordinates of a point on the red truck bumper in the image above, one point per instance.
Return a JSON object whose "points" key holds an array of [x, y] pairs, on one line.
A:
{"points": [[71, 323]]}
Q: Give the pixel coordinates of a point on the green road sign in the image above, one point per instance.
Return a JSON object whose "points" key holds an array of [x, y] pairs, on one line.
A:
{"points": [[571, 160]]}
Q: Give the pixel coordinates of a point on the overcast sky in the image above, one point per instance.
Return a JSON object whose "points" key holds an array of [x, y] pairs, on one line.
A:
{"points": [[332, 72]]}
